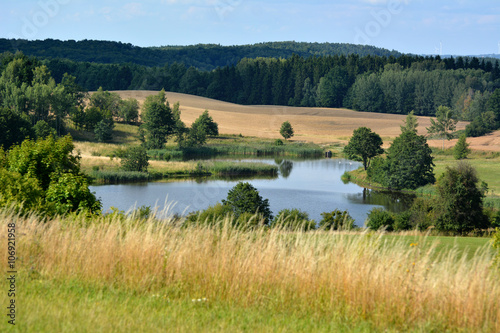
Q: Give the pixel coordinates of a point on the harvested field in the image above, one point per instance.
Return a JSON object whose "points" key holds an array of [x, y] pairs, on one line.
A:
{"points": [[318, 125]]}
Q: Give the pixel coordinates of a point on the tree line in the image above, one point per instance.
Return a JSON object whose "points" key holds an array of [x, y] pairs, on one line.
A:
{"points": [[201, 56], [365, 83]]}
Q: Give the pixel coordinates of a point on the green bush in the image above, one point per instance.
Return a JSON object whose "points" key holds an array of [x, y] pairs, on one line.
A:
{"points": [[402, 221], [103, 130], [293, 219], [379, 218], [244, 198], [336, 220], [210, 216], [278, 142], [135, 159]]}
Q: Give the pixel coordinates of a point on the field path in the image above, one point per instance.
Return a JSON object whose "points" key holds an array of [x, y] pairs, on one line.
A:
{"points": [[319, 125]]}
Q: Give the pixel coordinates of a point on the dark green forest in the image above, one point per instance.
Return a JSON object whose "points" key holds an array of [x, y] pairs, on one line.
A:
{"points": [[201, 56], [287, 73]]}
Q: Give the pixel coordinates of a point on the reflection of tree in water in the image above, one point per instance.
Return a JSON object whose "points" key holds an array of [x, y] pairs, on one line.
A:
{"points": [[392, 201], [285, 168]]}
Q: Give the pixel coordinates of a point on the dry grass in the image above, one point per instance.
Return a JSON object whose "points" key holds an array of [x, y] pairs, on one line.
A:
{"points": [[366, 276]]}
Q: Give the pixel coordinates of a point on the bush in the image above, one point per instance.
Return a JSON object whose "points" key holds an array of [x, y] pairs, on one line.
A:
{"points": [[43, 130], [461, 200], [210, 216], [336, 220], [104, 130], [379, 218], [135, 159], [293, 219], [244, 198], [402, 221], [278, 142], [461, 149]]}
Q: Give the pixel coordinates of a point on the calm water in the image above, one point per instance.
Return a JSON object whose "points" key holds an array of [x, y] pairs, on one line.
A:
{"points": [[313, 186]]}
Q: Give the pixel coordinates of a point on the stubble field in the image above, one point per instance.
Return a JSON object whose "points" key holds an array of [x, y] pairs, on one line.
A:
{"points": [[318, 125]]}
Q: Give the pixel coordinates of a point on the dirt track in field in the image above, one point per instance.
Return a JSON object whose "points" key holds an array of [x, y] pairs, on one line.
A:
{"points": [[319, 125]]}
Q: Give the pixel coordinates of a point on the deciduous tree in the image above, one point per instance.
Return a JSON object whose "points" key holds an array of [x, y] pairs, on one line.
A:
{"points": [[364, 145]]}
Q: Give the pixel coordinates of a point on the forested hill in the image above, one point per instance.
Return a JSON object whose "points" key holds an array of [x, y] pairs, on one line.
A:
{"points": [[201, 56]]}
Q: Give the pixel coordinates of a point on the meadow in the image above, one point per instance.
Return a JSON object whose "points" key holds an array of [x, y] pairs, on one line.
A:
{"points": [[121, 274]]}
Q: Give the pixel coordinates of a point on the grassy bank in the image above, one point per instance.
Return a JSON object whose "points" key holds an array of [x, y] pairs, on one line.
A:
{"points": [[487, 165], [163, 170], [125, 275], [233, 145]]}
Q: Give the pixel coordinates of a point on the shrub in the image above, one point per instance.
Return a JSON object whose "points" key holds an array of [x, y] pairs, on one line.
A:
{"points": [[103, 130], [278, 142], [379, 218], [336, 220], [461, 200], [135, 159], [43, 130], [402, 221], [293, 219], [461, 149], [244, 198], [286, 130], [211, 216]]}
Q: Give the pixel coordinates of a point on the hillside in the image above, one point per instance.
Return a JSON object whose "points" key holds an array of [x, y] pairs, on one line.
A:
{"points": [[201, 56], [319, 125]]}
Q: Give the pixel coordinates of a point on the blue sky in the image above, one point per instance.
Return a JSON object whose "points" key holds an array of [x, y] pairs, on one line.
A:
{"points": [[462, 27]]}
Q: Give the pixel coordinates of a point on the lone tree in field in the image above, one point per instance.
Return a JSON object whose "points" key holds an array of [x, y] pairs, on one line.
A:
{"points": [[364, 145], [410, 123], [461, 149], [445, 124], [286, 130]]}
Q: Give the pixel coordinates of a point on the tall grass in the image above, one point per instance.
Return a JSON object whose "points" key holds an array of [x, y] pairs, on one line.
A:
{"points": [[385, 282]]}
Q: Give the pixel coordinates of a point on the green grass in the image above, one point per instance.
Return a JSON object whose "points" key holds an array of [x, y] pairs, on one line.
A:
{"points": [[47, 305]]}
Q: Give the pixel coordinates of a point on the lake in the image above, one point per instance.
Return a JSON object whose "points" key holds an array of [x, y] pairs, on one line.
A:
{"points": [[313, 186]]}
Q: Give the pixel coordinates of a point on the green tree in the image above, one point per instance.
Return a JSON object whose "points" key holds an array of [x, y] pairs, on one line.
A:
{"points": [[43, 130], [103, 130], [244, 198], [461, 199], [364, 145], [14, 128], [409, 163], [135, 159], [493, 105], [211, 127], [158, 119], [286, 130], [445, 124], [46, 176], [461, 149], [333, 87], [128, 110], [197, 134], [410, 123], [106, 100]]}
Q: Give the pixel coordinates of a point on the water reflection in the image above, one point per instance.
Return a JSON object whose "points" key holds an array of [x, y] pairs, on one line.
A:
{"points": [[392, 201], [285, 167], [313, 186]]}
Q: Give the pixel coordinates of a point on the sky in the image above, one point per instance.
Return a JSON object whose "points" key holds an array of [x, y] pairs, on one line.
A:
{"points": [[431, 27]]}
